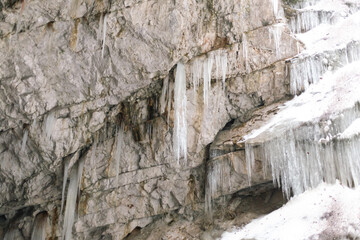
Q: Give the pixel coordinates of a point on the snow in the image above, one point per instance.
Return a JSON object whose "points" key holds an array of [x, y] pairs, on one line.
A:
{"points": [[324, 212]]}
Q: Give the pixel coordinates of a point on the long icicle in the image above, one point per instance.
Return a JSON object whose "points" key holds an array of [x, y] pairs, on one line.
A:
{"points": [[66, 173], [224, 63], [73, 192], [180, 128], [104, 36]]}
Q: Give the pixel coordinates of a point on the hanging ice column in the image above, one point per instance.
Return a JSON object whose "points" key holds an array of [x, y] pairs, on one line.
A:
{"points": [[40, 225], [104, 36], [119, 147], [180, 126], [275, 7], [72, 193], [208, 63], [276, 31]]}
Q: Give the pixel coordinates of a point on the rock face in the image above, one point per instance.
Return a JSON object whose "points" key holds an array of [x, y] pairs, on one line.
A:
{"points": [[74, 74]]}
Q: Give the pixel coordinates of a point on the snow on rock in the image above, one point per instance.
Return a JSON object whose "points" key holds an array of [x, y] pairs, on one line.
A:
{"points": [[326, 212], [301, 144]]}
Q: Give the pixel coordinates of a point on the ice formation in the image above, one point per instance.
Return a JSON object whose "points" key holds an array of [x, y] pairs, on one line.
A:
{"points": [[275, 6], [329, 211], [118, 150], [276, 34], [10, 234], [328, 47], [217, 64], [50, 124], [245, 52], [214, 178], [223, 68], [302, 144], [196, 74], [208, 64], [24, 140], [170, 92], [164, 93], [93, 159], [104, 36], [307, 20], [72, 193], [66, 173], [40, 225], [180, 125]]}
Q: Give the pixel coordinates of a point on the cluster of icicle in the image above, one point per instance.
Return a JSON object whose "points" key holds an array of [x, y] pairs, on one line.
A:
{"points": [[307, 20], [308, 69], [304, 157], [199, 70], [214, 183]]}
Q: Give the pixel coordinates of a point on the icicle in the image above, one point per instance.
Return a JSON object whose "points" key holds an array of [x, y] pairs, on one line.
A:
{"points": [[33, 124], [208, 63], [217, 64], [171, 88], [73, 190], [223, 68], [209, 192], [18, 24], [164, 92], [40, 225], [250, 160], [180, 126], [196, 74], [66, 172], [118, 151], [92, 159], [245, 52], [209, 68], [275, 7], [276, 32], [50, 124], [11, 234], [24, 140], [101, 25], [104, 36], [306, 20]]}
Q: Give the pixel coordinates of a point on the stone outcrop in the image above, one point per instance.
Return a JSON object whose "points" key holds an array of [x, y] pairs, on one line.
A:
{"points": [[68, 93]]}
